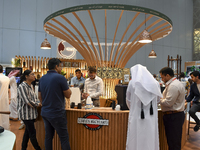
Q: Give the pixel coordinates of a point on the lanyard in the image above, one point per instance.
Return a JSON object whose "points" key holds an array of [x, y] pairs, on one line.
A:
{"points": [[174, 79], [171, 81]]}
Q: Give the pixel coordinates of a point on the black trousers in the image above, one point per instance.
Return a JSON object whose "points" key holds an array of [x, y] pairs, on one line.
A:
{"points": [[195, 107], [173, 129], [30, 133]]}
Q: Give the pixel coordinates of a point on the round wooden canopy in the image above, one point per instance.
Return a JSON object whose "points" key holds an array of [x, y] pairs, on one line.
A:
{"points": [[68, 25]]}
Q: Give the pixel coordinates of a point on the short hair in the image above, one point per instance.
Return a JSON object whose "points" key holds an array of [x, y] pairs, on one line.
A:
{"points": [[53, 62], [167, 70], [92, 70], [77, 70], [182, 75], [195, 73], [154, 75], [1, 68]]}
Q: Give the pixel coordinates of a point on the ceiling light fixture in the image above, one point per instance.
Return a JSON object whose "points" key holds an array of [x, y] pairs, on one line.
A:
{"points": [[145, 36], [152, 54], [45, 44]]}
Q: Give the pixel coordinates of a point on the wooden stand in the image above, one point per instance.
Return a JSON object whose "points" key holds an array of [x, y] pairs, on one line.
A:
{"points": [[111, 137], [177, 69]]}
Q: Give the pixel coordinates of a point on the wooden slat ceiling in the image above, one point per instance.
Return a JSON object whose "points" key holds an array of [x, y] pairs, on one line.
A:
{"points": [[120, 51]]}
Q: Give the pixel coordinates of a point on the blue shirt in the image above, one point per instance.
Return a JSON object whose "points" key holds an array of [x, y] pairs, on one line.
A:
{"points": [[78, 83], [51, 87]]}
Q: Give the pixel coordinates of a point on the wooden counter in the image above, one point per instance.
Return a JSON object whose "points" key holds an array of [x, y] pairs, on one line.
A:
{"points": [[111, 137]]}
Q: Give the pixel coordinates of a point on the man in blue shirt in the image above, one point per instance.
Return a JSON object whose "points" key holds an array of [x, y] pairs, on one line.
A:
{"points": [[53, 89], [78, 81]]}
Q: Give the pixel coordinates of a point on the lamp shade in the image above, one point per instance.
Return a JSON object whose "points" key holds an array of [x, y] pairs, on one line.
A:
{"points": [[145, 37], [45, 44], [152, 54]]}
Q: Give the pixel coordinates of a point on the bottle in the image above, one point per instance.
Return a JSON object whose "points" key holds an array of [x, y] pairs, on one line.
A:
{"points": [[113, 105], [89, 103]]}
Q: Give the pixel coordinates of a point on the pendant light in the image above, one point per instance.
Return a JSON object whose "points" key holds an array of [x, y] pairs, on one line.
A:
{"points": [[45, 44], [152, 54], [145, 36]]}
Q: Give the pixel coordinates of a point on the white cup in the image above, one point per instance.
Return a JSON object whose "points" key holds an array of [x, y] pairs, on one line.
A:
{"points": [[117, 108]]}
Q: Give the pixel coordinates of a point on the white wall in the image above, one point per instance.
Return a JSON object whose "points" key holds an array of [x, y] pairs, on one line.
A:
{"points": [[21, 29]]}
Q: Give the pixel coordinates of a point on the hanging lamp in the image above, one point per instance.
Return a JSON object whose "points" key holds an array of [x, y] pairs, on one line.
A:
{"points": [[45, 44], [152, 54], [145, 36]]}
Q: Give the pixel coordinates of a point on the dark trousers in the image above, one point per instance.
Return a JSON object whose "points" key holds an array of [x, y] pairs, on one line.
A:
{"points": [[30, 133], [60, 125], [195, 107], [173, 129]]}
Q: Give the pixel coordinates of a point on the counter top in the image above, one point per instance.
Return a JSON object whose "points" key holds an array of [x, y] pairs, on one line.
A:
{"points": [[98, 109]]}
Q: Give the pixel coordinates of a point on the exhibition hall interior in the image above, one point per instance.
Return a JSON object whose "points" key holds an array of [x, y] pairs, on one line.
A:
{"points": [[100, 75]]}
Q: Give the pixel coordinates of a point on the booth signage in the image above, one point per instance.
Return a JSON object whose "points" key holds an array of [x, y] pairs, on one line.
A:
{"points": [[93, 121], [65, 51]]}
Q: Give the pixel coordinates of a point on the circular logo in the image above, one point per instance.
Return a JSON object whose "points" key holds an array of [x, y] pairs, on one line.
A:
{"points": [[65, 51], [92, 116]]}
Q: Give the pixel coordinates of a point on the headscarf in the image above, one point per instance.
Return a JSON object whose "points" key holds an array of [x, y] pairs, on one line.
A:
{"points": [[13, 73], [146, 87]]}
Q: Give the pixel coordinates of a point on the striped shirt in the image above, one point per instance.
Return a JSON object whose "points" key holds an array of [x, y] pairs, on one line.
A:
{"points": [[27, 102]]}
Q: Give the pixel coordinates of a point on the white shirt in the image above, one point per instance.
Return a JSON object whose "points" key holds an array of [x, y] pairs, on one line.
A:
{"points": [[13, 87], [4, 102], [94, 87], [173, 96]]}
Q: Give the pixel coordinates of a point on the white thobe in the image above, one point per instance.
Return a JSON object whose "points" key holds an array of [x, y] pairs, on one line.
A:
{"points": [[142, 134], [13, 102], [4, 101]]}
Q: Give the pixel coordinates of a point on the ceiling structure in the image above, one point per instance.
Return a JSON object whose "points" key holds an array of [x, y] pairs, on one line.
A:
{"points": [[68, 24]]}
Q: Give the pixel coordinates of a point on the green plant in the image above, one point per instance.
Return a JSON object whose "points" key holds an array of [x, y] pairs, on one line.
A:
{"points": [[193, 68], [63, 73], [16, 62]]}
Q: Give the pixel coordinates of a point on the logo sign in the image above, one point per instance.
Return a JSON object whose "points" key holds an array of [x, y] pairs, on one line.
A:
{"points": [[93, 121], [65, 51]]}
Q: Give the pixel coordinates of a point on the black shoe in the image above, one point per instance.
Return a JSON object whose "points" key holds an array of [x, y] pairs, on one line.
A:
{"points": [[196, 128]]}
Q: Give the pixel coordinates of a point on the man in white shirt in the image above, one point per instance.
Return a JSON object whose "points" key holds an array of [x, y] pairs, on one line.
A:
{"points": [[93, 87], [172, 105], [4, 101]]}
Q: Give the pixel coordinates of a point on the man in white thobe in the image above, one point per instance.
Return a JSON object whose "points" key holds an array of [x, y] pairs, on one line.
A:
{"points": [[13, 91], [4, 101], [143, 94]]}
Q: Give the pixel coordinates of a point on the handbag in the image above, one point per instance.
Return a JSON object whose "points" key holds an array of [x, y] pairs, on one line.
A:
{"points": [[1, 129]]}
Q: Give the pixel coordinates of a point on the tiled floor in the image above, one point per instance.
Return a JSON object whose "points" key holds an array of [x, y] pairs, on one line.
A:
{"points": [[193, 142]]}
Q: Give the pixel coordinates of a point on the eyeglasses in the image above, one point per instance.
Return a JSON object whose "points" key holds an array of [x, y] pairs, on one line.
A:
{"points": [[32, 74]]}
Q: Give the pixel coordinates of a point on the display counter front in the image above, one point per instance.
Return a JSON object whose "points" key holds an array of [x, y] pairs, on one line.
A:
{"points": [[109, 134]]}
